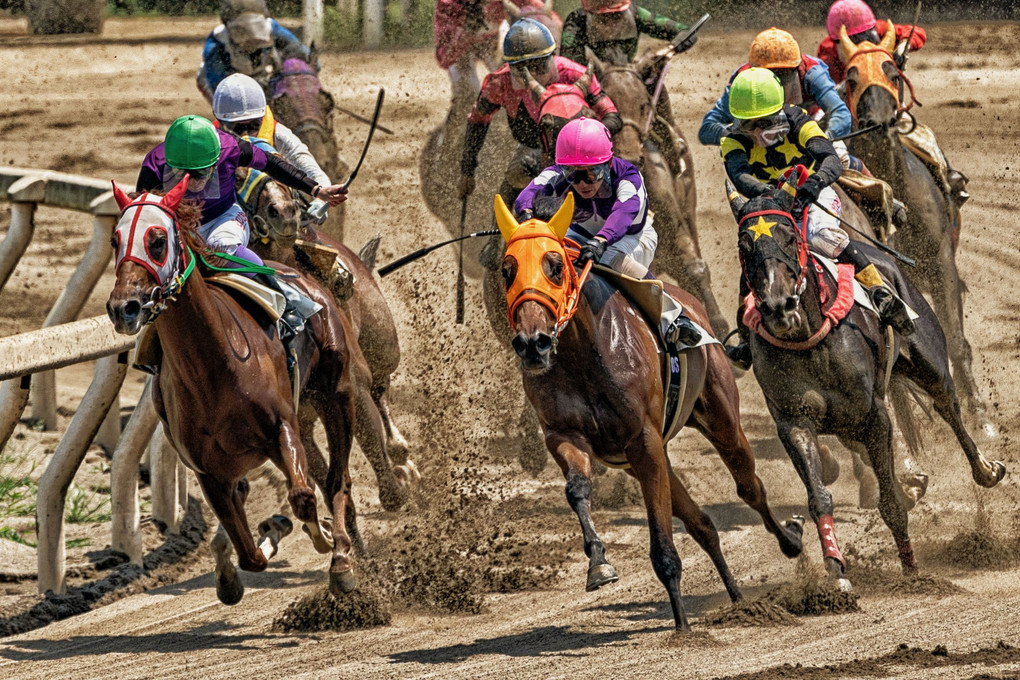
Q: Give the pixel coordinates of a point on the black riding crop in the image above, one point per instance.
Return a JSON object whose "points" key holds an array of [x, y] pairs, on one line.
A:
{"points": [[371, 131], [418, 254], [905, 259]]}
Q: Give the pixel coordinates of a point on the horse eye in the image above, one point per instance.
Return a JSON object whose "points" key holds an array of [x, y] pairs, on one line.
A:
{"points": [[552, 267], [509, 270], [115, 242], [156, 244]]}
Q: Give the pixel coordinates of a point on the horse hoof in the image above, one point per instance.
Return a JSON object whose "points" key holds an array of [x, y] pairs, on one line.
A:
{"points": [[415, 474], [229, 590], [1000, 471], [600, 575], [844, 585], [279, 522], [793, 546], [342, 583]]}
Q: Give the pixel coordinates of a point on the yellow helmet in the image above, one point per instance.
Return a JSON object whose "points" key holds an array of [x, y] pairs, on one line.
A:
{"points": [[774, 48], [755, 93]]}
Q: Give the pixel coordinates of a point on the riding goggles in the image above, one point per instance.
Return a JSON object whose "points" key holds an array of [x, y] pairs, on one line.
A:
{"points": [[768, 131], [592, 174], [242, 128]]}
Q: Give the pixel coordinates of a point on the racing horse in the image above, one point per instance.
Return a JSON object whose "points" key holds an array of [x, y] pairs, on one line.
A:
{"points": [[671, 198], [874, 96], [223, 391], [275, 213], [823, 370], [297, 99], [593, 369]]}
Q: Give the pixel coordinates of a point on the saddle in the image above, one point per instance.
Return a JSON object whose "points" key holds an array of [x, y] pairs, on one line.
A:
{"points": [[647, 295]]}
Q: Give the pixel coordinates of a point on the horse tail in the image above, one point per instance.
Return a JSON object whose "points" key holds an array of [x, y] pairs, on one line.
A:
{"points": [[904, 395], [369, 251]]}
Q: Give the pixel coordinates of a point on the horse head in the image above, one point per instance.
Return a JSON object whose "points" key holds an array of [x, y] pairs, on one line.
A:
{"points": [[626, 81], [874, 84], [149, 255], [274, 214], [540, 11], [774, 262], [541, 285], [557, 105], [299, 102]]}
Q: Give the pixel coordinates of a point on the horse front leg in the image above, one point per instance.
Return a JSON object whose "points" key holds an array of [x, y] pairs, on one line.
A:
{"points": [[801, 443], [227, 502], [293, 463], [877, 438], [337, 417], [394, 481], [576, 466], [652, 470], [396, 444]]}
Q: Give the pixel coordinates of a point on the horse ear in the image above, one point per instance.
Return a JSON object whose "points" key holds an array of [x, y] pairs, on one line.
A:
{"points": [[548, 7], [560, 222], [847, 44], [505, 220], [512, 10], [737, 202], [888, 42], [584, 82], [174, 196], [123, 200]]}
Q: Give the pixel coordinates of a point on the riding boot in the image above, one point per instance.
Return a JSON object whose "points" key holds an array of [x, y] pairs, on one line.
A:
{"points": [[957, 186], [291, 321], [899, 213], [892, 310]]}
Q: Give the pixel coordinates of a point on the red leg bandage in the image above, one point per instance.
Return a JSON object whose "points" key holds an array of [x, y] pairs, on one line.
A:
{"points": [[827, 534]]}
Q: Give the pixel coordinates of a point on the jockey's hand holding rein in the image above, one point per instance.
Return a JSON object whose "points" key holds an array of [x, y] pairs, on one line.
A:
{"points": [[334, 194]]}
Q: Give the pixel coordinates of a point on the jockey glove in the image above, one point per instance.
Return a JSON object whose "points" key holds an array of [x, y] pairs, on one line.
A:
{"points": [[807, 193], [687, 44], [613, 122], [593, 250]]}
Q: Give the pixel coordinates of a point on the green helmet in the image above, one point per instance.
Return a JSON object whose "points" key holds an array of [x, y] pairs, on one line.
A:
{"points": [[755, 93], [191, 143]]}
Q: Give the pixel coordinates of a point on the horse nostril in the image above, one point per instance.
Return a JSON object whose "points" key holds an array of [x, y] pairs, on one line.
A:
{"points": [[273, 212], [791, 302], [131, 310], [543, 343], [520, 345]]}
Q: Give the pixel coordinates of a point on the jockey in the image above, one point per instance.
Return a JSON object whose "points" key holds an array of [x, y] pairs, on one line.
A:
{"points": [[610, 28], [239, 105], [528, 46], [806, 84], [604, 24], [611, 218], [194, 147], [771, 137], [249, 42], [465, 32], [861, 26]]}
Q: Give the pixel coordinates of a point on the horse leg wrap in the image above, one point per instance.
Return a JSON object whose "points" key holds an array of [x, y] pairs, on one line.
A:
{"points": [[827, 534]]}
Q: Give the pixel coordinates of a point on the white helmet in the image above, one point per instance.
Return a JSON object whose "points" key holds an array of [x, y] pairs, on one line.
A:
{"points": [[239, 97]]}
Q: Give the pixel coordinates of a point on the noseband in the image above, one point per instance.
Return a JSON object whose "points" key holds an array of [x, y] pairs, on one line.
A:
{"points": [[561, 302], [876, 76]]}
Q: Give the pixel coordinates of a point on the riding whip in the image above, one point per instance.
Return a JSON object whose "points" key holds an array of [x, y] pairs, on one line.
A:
{"points": [[905, 259], [418, 254], [362, 119], [371, 131], [460, 263], [675, 44]]}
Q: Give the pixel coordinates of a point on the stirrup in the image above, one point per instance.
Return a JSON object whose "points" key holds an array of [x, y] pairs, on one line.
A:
{"points": [[892, 311], [739, 355], [682, 333]]}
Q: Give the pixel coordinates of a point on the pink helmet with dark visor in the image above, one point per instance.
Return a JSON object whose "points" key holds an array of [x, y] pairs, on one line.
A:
{"points": [[854, 14], [583, 142]]}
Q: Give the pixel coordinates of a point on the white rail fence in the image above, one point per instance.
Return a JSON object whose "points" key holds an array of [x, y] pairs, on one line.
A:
{"points": [[28, 362]]}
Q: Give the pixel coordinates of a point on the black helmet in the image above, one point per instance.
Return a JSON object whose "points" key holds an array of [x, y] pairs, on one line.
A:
{"points": [[527, 39]]}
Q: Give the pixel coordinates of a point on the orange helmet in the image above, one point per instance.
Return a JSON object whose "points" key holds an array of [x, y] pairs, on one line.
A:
{"points": [[774, 49]]}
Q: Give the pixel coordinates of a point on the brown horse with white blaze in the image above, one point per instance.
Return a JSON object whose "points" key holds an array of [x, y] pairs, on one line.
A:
{"points": [[593, 369], [223, 391]]}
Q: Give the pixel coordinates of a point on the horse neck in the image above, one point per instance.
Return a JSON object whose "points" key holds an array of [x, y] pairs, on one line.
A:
{"points": [[886, 158], [191, 326]]}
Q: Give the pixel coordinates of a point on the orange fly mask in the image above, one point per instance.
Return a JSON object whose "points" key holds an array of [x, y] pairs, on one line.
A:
{"points": [[538, 263], [869, 65]]}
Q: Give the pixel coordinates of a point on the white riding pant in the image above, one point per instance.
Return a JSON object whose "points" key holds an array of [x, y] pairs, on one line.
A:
{"points": [[227, 232], [824, 233], [632, 255]]}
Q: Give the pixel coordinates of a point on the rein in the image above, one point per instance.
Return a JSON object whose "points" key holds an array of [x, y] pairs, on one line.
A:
{"points": [[842, 301]]}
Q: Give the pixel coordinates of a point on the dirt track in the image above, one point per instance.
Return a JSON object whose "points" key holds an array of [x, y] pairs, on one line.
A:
{"points": [[95, 106]]}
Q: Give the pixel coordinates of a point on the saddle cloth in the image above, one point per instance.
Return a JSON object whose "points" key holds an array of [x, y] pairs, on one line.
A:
{"points": [[647, 295]]}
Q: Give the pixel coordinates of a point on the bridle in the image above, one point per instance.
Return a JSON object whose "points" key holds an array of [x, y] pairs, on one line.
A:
{"points": [[882, 82]]}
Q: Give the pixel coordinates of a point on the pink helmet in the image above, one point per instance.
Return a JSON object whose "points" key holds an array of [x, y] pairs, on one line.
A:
{"points": [[854, 14], [583, 142]]}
